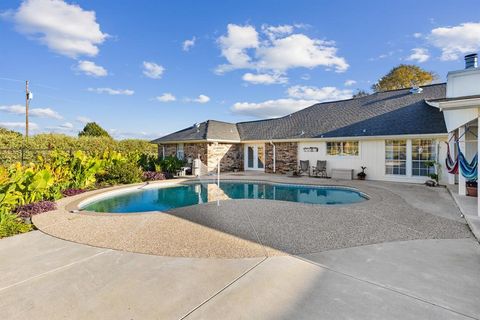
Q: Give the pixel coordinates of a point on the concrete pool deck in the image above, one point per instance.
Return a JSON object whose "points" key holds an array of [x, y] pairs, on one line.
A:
{"points": [[262, 228], [424, 265]]}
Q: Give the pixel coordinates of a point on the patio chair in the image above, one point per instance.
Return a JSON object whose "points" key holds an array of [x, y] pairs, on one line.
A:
{"points": [[304, 167], [321, 169]]}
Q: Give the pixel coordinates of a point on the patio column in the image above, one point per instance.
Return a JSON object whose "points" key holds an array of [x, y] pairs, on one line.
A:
{"points": [[462, 188], [451, 143]]}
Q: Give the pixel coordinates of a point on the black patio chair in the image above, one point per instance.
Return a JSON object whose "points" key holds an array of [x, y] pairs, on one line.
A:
{"points": [[304, 167], [321, 169]]}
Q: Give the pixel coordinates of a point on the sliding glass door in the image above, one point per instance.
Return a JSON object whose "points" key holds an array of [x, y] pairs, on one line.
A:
{"points": [[254, 156]]}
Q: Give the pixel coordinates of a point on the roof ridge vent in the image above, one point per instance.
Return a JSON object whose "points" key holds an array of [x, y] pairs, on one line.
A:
{"points": [[416, 89]]}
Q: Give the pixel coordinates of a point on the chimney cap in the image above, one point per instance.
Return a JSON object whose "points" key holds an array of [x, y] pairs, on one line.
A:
{"points": [[471, 60]]}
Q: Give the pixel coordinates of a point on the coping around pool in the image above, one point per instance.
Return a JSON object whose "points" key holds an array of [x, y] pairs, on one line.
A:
{"points": [[164, 197]]}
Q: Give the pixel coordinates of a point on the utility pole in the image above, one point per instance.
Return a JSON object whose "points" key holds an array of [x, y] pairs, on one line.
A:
{"points": [[26, 109]]}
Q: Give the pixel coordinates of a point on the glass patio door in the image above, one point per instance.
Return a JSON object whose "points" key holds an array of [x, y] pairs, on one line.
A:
{"points": [[254, 157]]}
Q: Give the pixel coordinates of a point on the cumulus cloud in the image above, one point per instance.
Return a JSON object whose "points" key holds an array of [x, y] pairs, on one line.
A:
{"points": [[153, 70], [91, 69], [349, 83], [18, 125], [456, 41], [271, 108], [319, 94], [83, 120], [419, 55], [264, 78], [202, 99], [166, 97], [64, 28], [188, 44], [276, 50], [114, 92], [34, 112]]}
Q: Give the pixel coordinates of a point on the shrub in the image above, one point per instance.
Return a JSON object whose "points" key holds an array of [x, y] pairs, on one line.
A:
{"points": [[171, 164], [72, 192], [28, 210], [11, 224], [153, 175], [94, 130], [120, 172]]}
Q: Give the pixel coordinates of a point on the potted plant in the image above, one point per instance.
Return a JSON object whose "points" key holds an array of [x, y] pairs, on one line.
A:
{"points": [[471, 188], [362, 175], [432, 175]]}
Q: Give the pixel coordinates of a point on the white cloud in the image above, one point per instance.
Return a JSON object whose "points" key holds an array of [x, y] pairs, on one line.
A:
{"points": [[202, 99], [319, 94], [166, 97], [64, 28], [91, 69], [349, 83], [83, 120], [34, 112], [67, 125], [18, 125], [153, 70], [271, 108], [417, 35], [419, 55], [278, 52], [188, 44], [126, 92], [234, 47], [264, 78], [456, 41], [277, 31]]}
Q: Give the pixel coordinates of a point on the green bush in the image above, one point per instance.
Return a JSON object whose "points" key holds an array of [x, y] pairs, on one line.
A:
{"points": [[11, 224], [171, 164], [120, 172]]}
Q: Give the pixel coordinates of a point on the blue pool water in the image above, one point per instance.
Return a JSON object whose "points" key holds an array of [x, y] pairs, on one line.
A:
{"points": [[165, 198]]}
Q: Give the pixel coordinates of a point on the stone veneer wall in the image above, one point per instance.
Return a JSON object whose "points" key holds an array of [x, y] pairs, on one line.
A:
{"points": [[286, 157], [229, 155], [193, 150], [170, 150]]}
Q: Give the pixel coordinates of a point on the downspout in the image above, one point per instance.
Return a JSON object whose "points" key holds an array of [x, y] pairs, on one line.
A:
{"points": [[274, 152], [163, 151]]}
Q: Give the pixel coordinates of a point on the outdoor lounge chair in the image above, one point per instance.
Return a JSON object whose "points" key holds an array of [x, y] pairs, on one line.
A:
{"points": [[304, 167], [321, 169]]}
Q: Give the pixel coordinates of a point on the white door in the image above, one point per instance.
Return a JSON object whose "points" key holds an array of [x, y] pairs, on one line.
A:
{"points": [[254, 157]]}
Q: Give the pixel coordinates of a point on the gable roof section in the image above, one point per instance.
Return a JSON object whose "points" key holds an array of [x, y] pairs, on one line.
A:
{"points": [[396, 112], [208, 130]]}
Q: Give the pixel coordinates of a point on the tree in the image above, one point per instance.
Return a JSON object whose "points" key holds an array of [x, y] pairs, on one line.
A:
{"points": [[404, 76], [92, 129], [360, 93]]}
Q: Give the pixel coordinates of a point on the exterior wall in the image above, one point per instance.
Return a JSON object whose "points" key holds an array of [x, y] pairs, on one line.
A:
{"points": [[229, 155], [286, 157], [195, 150], [463, 83], [372, 156], [170, 150]]}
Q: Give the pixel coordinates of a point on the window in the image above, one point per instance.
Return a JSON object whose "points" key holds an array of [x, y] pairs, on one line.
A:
{"points": [[396, 157], [422, 151], [180, 153], [342, 148]]}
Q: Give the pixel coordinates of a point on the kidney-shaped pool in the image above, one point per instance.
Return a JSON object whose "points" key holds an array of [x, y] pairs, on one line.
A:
{"points": [[164, 198]]}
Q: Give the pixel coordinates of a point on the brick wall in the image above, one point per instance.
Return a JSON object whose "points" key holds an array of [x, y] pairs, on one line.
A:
{"points": [[286, 157], [229, 155]]}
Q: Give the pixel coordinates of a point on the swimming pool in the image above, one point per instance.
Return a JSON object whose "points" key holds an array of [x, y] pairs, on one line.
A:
{"points": [[187, 194]]}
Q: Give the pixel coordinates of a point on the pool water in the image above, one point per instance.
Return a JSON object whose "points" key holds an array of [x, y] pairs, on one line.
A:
{"points": [[166, 198]]}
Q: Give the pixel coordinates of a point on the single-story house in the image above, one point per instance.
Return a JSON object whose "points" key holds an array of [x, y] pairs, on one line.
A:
{"points": [[393, 134]]}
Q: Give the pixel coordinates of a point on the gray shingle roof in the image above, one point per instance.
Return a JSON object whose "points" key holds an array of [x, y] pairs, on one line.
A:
{"points": [[210, 129], [379, 114]]}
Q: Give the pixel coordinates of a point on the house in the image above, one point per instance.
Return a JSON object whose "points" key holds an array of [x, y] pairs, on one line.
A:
{"points": [[383, 131], [392, 133]]}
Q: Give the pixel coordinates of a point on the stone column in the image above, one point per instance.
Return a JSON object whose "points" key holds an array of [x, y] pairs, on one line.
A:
{"points": [[462, 188], [451, 143]]}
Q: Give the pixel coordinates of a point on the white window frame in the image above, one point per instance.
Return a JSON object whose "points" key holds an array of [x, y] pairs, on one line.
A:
{"points": [[407, 159], [180, 151], [434, 152]]}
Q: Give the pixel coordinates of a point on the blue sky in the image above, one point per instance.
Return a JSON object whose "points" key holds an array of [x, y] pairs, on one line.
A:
{"points": [[146, 68]]}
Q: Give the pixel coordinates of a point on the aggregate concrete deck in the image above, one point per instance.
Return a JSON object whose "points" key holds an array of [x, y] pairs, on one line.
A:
{"points": [[260, 228]]}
